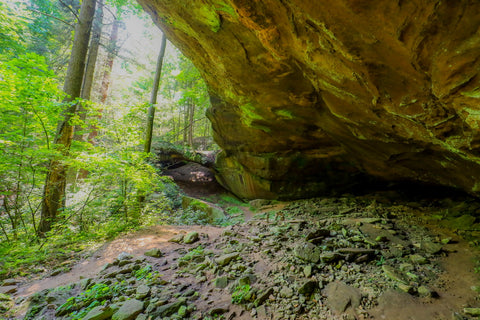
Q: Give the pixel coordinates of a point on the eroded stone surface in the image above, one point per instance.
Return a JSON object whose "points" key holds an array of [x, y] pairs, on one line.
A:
{"points": [[303, 91]]}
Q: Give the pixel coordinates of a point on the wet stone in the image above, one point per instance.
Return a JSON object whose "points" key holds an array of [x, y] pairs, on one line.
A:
{"points": [[191, 237]]}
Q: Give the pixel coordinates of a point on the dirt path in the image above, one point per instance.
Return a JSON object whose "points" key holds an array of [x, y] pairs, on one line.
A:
{"points": [[136, 244]]}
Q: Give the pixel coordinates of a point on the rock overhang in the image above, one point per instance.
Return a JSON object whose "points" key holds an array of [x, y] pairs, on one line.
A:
{"points": [[307, 94]]}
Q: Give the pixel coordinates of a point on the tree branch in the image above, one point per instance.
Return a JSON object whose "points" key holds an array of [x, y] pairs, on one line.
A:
{"points": [[49, 15], [71, 10]]}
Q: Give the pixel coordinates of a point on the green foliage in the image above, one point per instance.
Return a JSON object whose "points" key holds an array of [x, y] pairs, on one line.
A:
{"points": [[77, 307], [28, 118], [228, 199], [11, 30], [47, 34], [242, 294]]}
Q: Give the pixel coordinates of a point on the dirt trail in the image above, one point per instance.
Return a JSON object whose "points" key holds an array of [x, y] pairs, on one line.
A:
{"points": [[136, 244]]}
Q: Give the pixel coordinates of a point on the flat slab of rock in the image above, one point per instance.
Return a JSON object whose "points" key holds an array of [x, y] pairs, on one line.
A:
{"points": [[99, 313], [8, 289], [129, 310], [226, 258], [154, 253], [341, 296]]}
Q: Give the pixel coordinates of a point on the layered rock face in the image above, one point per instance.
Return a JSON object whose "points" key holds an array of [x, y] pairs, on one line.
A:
{"points": [[305, 93]]}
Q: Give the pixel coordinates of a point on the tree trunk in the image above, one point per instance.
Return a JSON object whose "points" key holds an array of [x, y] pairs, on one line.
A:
{"points": [[191, 114], [90, 67], [112, 51], [153, 97], [54, 188]]}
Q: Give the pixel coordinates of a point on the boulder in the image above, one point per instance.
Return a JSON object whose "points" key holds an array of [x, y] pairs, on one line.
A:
{"points": [[310, 95]]}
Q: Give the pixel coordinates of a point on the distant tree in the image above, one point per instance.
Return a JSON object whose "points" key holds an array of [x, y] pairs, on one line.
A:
{"points": [[153, 97]]}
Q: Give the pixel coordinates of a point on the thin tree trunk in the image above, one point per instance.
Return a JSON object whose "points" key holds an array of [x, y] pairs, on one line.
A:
{"points": [[55, 183], [191, 114], [151, 109], [90, 67], [112, 51], [153, 97]]}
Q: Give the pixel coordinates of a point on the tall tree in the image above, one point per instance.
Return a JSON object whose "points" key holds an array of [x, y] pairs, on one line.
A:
{"points": [[112, 48], [153, 97], [90, 67], [55, 182]]}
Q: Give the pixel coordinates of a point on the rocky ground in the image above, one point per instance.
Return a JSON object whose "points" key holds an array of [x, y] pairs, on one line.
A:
{"points": [[347, 257]]}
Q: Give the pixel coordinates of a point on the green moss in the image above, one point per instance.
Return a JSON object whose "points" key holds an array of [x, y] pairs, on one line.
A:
{"points": [[248, 111], [225, 7], [475, 93], [207, 14], [249, 116], [284, 114]]}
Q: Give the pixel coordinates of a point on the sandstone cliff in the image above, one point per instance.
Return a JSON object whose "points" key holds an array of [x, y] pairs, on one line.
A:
{"points": [[304, 93]]}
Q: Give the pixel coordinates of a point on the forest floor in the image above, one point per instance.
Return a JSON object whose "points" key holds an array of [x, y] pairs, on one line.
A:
{"points": [[375, 256]]}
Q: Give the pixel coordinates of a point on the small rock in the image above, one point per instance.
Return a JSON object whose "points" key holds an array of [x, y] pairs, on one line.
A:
{"points": [[124, 256], [129, 310], [226, 258], [406, 267], [307, 271], [10, 282], [308, 252], [182, 311], [8, 289], [141, 316], [221, 282], [244, 280], [155, 253], [99, 313], [405, 288], [317, 236], [177, 239], [219, 310], [341, 296], [328, 257], [286, 292], [262, 297], [418, 259], [393, 274], [431, 247], [261, 312], [142, 291], [191, 237], [308, 287], [168, 309], [423, 291]]}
